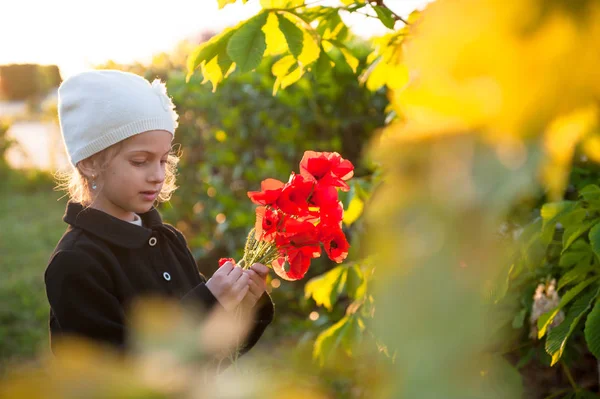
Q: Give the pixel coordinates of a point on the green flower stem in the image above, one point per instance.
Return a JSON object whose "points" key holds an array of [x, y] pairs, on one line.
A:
{"points": [[258, 252]]}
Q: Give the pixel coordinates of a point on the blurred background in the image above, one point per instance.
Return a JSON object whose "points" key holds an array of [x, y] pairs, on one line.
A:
{"points": [[473, 128]]}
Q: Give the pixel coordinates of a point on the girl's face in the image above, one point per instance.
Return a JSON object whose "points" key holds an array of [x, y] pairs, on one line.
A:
{"points": [[134, 177]]}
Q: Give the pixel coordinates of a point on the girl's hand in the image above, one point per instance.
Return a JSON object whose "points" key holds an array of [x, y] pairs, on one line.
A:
{"points": [[257, 284], [229, 285]]}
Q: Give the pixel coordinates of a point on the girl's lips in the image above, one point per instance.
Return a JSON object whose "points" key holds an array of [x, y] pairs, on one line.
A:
{"points": [[149, 195]]}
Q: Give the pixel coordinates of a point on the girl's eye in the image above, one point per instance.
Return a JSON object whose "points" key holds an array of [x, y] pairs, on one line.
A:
{"points": [[137, 163]]}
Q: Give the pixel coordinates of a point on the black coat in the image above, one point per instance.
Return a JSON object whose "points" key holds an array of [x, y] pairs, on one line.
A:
{"points": [[102, 263]]}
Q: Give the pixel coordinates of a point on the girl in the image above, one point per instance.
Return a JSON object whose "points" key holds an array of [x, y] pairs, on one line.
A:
{"points": [[117, 129]]}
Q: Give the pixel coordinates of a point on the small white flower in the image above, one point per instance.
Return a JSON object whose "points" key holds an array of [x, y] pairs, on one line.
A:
{"points": [[161, 91], [544, 300]]}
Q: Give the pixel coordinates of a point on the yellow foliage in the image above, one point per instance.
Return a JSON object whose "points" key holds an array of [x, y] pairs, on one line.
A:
{"points": [[223, 3], [505, 70], [560, 140], [498, 68], [310, 49], [354, 211], [281, 70], [386, 66], [350, 59], [281, 3], [276, 43]]}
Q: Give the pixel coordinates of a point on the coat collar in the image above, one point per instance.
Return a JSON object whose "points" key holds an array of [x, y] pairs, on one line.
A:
{"points": [[114, 230]]}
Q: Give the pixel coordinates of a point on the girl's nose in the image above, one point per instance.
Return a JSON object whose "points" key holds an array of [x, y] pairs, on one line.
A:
{"points": [[158, 174]]}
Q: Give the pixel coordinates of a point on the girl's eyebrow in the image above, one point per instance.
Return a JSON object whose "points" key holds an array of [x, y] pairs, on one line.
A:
{"points": [[148, 152]]}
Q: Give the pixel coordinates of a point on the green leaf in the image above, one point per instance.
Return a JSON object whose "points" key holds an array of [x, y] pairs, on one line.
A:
{"points": [[575, 275], [204, 53], [591, 195], [356, 285], [322, 68], [553, 211], [526, 359], [333, 27], [590, 192], [385, 16], [594, 237], [573, 232], [580, 252], [247, 45], [545, 319], [558, 336], [519, 319], [344, 334], [592, 330], [293, 35], [326, 288]]}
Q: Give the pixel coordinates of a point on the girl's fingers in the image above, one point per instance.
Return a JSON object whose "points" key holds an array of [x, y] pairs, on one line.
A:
{"points": [[261, 269], [254, 276], [226, 268], [255, 288], [235, 273], [242, 293], [241, 283]]}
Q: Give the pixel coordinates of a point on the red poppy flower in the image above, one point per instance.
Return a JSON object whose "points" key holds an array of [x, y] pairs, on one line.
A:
{"points": [[270, 192], [323, 195], [327, 167], [335, 243], [296, 263], [332, 214], [299, 260], [294, 195], [268, 220], [297, 233], [222, 261]]}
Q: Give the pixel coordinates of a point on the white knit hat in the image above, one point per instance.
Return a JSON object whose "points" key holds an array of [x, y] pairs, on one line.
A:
{"points": [[99, 108]]}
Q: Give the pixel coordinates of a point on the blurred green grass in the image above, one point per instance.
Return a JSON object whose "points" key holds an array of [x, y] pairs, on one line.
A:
{"points": [[30, 226]]}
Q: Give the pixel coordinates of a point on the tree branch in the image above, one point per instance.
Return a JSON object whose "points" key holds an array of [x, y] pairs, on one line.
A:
{"points": [[396, 16]]}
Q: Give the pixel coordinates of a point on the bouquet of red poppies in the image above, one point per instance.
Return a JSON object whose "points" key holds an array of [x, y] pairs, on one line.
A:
{"points": [[296, 218]]}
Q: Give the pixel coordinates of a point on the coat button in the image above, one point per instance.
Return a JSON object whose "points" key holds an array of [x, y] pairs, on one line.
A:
{"points": [[167, 276], [152, 241]]}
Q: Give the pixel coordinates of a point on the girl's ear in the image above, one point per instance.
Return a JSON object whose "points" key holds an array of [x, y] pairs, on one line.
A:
{"points": [[88, 168]]}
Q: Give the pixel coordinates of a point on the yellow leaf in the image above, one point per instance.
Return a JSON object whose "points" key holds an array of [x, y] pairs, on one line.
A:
{"points": [[559, 143], [350, 59], [276, 43], [212, 72], [283, 65], [398, 76], [326, 288], [281, 69], [310, 49], [376, 75], [591, 148], [355, 209], [292, 77], [281, 3], [223, 3]]}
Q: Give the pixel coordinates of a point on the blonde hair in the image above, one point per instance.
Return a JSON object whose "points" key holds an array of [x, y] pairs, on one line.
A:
{"points": [[79, 188]]}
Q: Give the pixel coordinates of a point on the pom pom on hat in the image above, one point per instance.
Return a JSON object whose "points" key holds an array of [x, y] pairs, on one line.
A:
{"points": [[99, 108]]}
